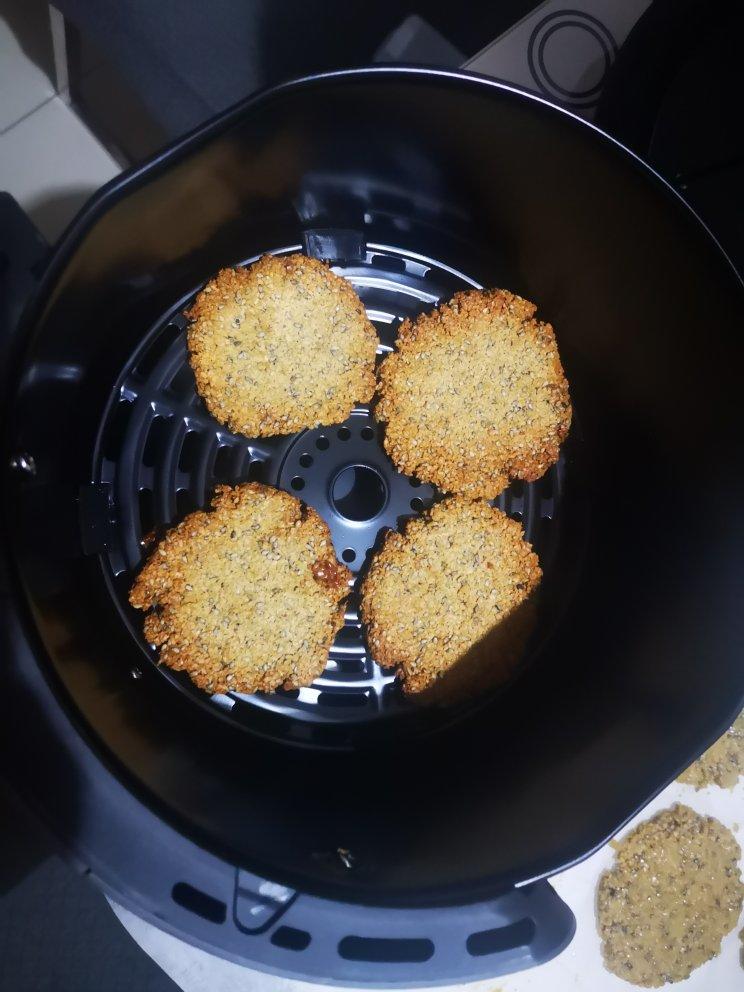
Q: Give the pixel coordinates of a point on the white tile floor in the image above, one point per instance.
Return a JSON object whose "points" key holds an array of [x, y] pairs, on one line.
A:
{"points": [[49, 160]]}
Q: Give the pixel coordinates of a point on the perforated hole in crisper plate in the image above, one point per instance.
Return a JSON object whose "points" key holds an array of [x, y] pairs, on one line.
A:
{"points": [[162, 455]]}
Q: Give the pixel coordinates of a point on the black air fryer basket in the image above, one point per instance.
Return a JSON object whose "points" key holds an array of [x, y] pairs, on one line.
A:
{"points": [[337, 832]]}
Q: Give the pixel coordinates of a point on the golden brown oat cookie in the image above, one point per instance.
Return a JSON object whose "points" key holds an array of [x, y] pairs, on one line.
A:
{"points": [[722, 764], [282, 345], [475, 395], [247, 596], [674, 892], [446, 600]]}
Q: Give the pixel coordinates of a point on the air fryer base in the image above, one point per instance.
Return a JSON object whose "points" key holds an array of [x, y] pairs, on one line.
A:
{"points": [[154, 871]]}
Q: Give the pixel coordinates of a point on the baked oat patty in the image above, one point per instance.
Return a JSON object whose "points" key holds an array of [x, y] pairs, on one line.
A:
{"points": [[672, 895], [475, 395], [246, 597], [281, 345], [721, 764], [437, 594]]}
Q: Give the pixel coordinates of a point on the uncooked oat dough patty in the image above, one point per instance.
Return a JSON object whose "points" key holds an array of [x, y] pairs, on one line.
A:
{"points": [[282, 345], [674, 892], [437, 593], [475, 395], [722, 764], [248, 596]]}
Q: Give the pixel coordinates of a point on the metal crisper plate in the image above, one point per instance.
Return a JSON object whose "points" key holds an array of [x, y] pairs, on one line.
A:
{"points": [[162, 454]]}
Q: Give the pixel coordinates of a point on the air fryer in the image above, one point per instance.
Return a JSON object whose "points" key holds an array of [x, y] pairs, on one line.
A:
{"points": [[338, 832]]}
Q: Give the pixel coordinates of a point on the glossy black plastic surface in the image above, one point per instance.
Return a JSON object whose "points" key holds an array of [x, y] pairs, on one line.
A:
{"points": [[642, 668]]}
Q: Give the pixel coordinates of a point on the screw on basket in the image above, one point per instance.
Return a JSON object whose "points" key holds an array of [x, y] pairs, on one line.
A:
{"points": [[346, 858], [23, 463]]}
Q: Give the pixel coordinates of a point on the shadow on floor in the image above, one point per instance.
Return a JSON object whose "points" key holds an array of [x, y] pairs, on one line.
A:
{"points": [[28, 21], [51, 213], [57, 932]]}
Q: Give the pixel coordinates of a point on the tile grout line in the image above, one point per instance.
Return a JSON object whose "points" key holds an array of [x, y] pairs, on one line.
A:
{"points": [[30, 113]]}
